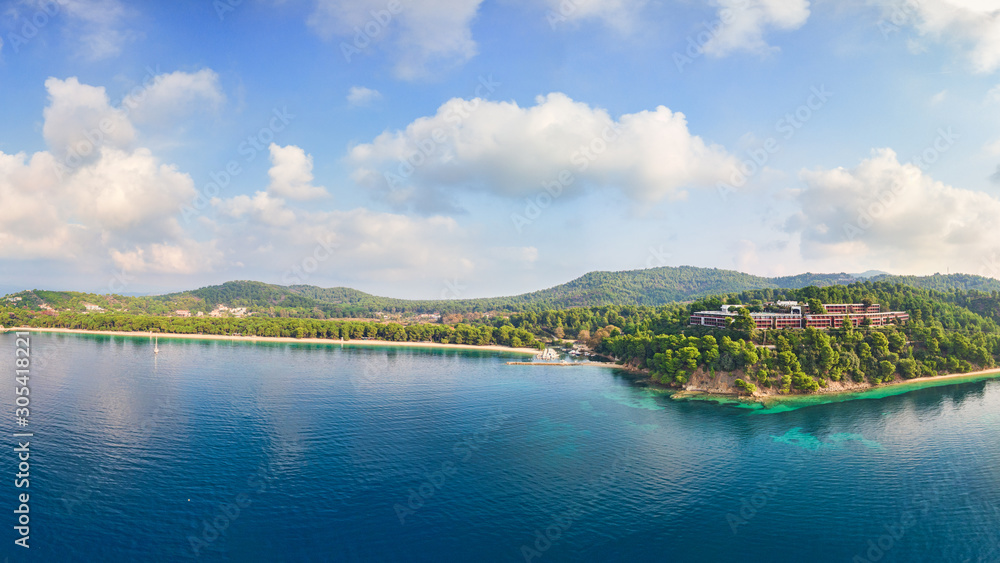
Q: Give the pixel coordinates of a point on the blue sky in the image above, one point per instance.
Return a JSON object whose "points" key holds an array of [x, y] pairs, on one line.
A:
{"points": [[417, 166]]}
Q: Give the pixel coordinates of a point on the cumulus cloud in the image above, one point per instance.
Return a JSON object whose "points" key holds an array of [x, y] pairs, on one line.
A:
{"points": [[186, 257], [95, 197], [895, 214], [421, 37], [261, 207], [79, 119], [972, 24], [618, 14], [175, 94], [291, 174], [361, 96], [359, 244], [506, 150], [741, 24]]}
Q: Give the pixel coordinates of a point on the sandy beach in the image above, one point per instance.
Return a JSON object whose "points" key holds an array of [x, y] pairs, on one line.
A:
{"points": [[327, 341]]}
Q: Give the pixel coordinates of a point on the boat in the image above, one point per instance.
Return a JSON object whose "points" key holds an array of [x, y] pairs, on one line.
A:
{"points": [[549, 354], [156, 347]]}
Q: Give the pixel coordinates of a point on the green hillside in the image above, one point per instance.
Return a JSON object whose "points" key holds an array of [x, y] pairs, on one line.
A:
{"points": [[652, 287]]}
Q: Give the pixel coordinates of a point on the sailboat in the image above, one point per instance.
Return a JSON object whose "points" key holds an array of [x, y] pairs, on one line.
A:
{"points": [[156, 347]]}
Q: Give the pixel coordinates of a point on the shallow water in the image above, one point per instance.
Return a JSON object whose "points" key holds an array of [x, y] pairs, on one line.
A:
{"points": [[277, 452]]}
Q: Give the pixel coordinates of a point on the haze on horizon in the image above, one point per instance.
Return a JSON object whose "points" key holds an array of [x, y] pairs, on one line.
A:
{"points": [[409, 148]]}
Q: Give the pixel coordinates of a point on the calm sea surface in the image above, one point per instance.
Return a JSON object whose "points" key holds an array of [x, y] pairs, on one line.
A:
{"points": [[220, 451]]}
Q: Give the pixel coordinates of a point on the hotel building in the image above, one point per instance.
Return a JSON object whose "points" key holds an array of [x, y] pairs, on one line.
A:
{"points": [[800, 317]]}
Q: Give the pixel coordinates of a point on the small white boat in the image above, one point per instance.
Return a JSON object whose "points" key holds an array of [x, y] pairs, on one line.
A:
{"points": [[156, 345]]}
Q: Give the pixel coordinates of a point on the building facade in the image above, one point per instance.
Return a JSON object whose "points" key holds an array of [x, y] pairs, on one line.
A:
{"points": [[836, 316]]}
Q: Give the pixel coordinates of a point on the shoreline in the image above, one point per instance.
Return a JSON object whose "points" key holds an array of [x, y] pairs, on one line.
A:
{"points": [[851, 389], [277, 339], [678, 394]]}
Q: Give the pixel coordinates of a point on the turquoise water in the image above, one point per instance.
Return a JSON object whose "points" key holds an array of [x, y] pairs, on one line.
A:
{"points": [[220, 451]]}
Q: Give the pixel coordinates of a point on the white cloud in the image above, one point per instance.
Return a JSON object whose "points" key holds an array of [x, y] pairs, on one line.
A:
{"points": [[421, 37], [618, 14], [939, 97], [117, 205], [973, 24], [97, 26], [171, 95], [507, 150], [895, 215], [262, 207], [993, 96], [291, 174], [361, 96], [187, 257], [742, 24], [79, 120], [360, 245]]}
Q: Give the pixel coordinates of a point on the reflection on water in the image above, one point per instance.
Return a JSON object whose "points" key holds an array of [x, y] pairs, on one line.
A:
{"points": [[145, 458]]}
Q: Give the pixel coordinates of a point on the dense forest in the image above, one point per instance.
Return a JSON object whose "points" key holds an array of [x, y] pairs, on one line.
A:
{"points": [[652, 287], [481, 335]]}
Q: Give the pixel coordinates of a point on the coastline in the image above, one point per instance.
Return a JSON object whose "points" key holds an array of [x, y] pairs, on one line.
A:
{"points": [[721, 388], [774, 403], [278, 339]]}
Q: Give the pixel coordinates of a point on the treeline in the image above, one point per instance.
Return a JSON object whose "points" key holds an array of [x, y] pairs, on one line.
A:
{"points": [[949, 332], [806, 360], [505, 335]]}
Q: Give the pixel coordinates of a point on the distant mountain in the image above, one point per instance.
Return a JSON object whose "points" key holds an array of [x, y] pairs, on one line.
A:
{"points": [[656, 286], [942, 282], [652, 287], [870, 274]]}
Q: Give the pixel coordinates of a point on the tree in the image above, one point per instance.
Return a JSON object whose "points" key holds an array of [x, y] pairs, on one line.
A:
{"points": [[885, 370], [744, 321], [744, 387], [816, 307]]}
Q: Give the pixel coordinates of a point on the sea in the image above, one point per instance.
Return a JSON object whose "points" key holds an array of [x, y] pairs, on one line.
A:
{"points": [[244, 452]]}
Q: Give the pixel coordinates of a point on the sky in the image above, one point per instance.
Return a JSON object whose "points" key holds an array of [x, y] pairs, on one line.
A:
{"points": [[447, 149]]}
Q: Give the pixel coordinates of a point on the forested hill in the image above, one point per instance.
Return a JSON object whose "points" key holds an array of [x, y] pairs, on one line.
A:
{"points": [[652, 287], [657, 286], [942, 282]]}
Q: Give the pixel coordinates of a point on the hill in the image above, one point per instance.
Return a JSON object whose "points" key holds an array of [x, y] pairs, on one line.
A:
{"points": [[652, 287]]}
